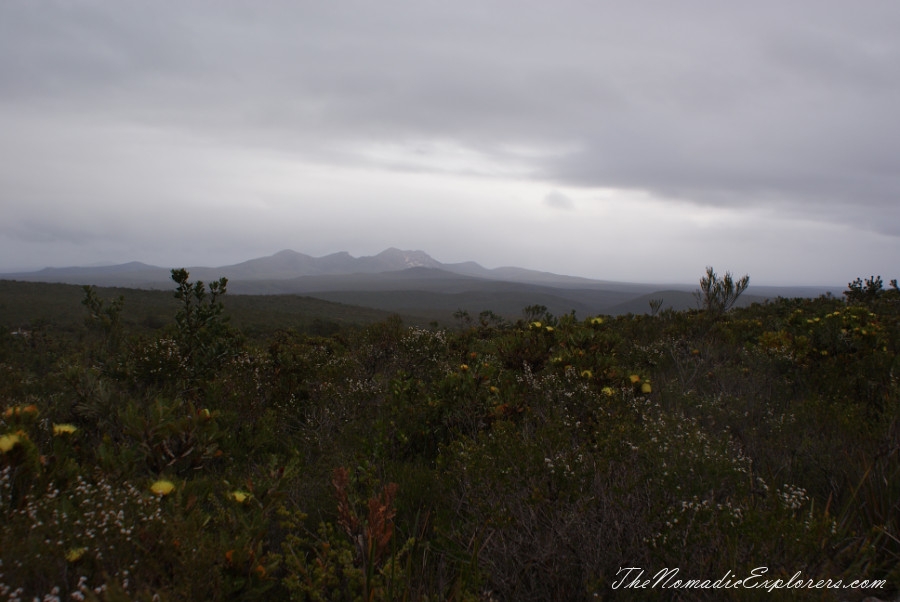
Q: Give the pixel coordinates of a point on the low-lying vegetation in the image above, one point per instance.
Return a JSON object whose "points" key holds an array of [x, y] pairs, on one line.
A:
{"points": [[526, 460]]}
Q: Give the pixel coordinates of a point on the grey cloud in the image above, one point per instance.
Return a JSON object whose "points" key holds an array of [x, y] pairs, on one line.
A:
{"points": [[784, 105], [558, 200], [469, 73]]}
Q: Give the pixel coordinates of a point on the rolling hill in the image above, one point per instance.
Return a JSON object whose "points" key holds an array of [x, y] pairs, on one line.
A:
{"points": [[408, 282]]}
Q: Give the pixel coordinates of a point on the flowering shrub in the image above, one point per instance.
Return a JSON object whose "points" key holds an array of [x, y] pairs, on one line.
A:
{"points": [[85, 534], [524, 460]]}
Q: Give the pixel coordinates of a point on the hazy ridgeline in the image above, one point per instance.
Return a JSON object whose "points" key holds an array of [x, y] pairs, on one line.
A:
{"points": [[205, 446]]}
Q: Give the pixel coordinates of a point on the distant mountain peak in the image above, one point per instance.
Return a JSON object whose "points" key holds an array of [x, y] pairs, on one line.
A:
{"points": [[401, 259], [395, 252]]}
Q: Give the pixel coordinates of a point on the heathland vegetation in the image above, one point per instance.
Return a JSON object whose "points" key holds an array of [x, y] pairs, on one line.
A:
{"points": [[181, 457]]}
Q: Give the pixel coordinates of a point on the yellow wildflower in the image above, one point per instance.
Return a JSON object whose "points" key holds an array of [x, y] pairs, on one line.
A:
{"points": [[597, 320], [646, 388], [635, 379], [549, 329], [464, 367], [7, 442], [608, 391], [63, 429], [587, 374], [29, 410], [494, 390], [162, 487], [536, 324], [240, 496], [75, 554]]}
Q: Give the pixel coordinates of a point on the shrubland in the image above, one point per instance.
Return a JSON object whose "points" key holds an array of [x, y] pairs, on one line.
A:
{"points": [[498, 460]]}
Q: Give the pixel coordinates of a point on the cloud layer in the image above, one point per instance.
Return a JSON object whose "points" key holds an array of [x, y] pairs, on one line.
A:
{"points": [[224, 129]]}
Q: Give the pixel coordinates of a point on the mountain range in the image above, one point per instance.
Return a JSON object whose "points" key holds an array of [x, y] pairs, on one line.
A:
{"points": [[411, 282]]}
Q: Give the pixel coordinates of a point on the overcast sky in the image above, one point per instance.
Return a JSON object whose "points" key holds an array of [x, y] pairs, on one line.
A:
{"points": [[636, 141]]}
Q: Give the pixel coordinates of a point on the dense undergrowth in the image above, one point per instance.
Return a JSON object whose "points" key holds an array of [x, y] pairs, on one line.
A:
{"points": [[527, 460]]}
